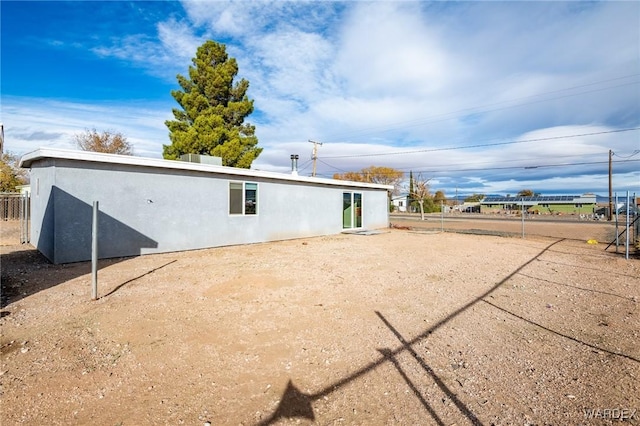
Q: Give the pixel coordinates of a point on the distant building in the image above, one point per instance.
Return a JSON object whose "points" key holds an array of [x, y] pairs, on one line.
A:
{"points": [[544, 204], [401, 203], [24, 189]]}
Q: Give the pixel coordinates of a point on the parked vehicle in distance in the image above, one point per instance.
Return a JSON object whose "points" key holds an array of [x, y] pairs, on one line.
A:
{"points": [[633, 211]]}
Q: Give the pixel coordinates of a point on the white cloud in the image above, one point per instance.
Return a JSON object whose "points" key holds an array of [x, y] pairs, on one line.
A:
{"points": [[162, 55], [384, 77], [56, 122], [221, 17], [178, 42], [293, 64], [243, 20], [388, 49]]}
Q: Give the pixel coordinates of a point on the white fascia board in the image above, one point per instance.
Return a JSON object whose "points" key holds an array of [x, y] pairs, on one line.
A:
{"points": [[400, 197], [98, 157]]}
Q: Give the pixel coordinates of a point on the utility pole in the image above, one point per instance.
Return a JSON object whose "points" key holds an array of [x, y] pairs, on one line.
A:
{"points": [[314, 155], [610, 188]]}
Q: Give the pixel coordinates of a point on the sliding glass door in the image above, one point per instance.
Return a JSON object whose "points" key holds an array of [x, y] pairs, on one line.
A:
{"points": [[351, 210]]}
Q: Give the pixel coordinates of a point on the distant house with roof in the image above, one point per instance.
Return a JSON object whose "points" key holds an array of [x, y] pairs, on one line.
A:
{"points": [[401, 202], [542, 204]]}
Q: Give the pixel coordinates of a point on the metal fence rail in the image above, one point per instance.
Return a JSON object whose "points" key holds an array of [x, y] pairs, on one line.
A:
{"points": [[572, 228]]}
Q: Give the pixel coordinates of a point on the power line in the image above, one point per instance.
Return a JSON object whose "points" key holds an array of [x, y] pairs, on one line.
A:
{"points": [[476, 169], [540, 166], [334, 167], [304, 165], [479, 109], [633, 154], [475, 163], [514, 160], [450, 165], [483, 145]]}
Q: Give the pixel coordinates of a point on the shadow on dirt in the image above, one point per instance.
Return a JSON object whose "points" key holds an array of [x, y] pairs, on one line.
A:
{"points": [[557, 333], [592, 269], [297, 404], [137, 278], [26, 272], [22, 273], [590, 290], [66, 239]]}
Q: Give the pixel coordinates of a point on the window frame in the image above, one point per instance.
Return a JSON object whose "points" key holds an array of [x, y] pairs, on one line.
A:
{"points": [[253, 187]]}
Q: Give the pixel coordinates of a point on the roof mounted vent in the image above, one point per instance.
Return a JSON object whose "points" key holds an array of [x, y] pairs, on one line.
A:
{"points": [[202, 159]]}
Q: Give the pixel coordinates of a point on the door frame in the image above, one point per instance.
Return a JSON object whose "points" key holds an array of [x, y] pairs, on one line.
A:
{"points": [[352, 210]]}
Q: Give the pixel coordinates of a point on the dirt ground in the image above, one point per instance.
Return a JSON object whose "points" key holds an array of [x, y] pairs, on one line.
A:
{"points": [[409, 326]]}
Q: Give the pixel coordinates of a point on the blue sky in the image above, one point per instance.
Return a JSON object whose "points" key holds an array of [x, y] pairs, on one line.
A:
{"points": [[479, 97]]}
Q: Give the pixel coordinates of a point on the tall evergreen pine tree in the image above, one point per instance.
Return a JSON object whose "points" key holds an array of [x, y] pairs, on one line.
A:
{"points": [[213, 108]]}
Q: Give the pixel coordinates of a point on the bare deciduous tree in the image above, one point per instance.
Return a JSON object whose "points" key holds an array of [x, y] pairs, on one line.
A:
{"points": [[420, 192], [108, 142]]}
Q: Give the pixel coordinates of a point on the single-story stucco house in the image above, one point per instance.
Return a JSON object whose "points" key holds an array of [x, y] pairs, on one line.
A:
{"points": [[151, 205]]}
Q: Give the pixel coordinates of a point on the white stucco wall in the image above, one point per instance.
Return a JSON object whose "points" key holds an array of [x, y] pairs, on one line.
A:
{"points": [[152, 206]]}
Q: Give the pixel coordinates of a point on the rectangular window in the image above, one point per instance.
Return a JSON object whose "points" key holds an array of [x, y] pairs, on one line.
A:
{"points": [[346, 210], [243, 198], [357, 213], [250, 198]]}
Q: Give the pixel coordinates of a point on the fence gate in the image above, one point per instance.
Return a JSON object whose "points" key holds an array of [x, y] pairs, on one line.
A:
{"points": [[17, 207]]}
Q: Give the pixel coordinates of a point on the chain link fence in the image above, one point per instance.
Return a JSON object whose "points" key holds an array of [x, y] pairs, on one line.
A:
{"points": [[16, 207]]}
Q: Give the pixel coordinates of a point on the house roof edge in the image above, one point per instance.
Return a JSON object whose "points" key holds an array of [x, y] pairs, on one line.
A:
{"points": [[97, 157]]}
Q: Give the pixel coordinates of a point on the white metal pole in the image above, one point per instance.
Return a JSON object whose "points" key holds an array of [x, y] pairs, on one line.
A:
{"points": [[628, 228], [634, 199], [616, 218], [23, 219], [94, 252], [522, 214]]}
